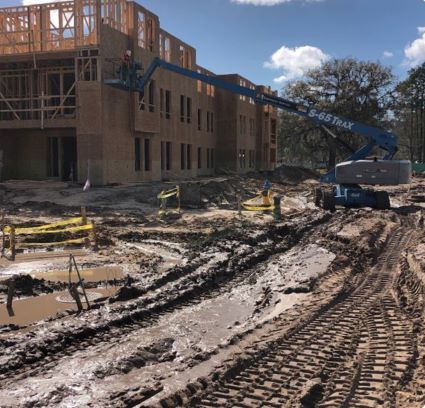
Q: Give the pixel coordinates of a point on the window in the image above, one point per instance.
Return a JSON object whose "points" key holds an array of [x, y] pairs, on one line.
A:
{"points": [[167, 49], [199, 158], [137, 157], [208, 158], [168, 156], [242, 125], [242, 83], [199, 119], [182, 156], [150, 36], [212, 158], [251, 101], [208, 121], [161, 102], [189, 156], [181, 56], [252, 127], [189, 109], [167, 104], [182, 100], [199, 83], [212, 121], [273, 155], [147, 155], [162, 155], [141, 30], [242, 159], [164, 47], [185, 57], [211, 90], [151, 92], [141, 101], [273, 126], [251, 159], [53, 170]]}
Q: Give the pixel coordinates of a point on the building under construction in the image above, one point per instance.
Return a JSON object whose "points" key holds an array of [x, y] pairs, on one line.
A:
{"points": [[59, 120]]}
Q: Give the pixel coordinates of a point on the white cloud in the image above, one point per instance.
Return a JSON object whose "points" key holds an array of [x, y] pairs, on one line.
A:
{"points": [[415, 51], [387, 54], [269, 2], [295, 62]]}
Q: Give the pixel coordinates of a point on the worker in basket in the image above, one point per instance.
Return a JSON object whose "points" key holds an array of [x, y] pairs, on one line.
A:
{"points": [[125, 65]]}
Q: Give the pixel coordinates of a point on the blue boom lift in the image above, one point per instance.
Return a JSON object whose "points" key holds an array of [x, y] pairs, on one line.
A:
{"points": [[345, 194]]}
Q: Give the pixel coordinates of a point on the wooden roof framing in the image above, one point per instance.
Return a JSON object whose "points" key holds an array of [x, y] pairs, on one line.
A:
{"points": [[59, 26]]}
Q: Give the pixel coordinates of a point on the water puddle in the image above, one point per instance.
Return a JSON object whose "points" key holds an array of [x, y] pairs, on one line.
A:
{"points": [[31, 310], [104, 273]]}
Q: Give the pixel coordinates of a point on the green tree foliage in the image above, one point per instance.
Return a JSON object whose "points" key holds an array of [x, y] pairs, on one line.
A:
{"points": [[409, 114], [355, 89]]}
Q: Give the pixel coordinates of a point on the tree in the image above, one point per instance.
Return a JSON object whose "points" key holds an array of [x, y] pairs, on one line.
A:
{"points": [[410, 113], [355, 89]]}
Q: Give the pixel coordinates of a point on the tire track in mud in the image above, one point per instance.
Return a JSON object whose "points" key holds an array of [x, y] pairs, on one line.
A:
{"points": [[355, 353], [38, 355]]}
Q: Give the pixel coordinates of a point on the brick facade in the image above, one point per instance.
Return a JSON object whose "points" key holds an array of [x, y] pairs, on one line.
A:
{"points": [[59, 120]]}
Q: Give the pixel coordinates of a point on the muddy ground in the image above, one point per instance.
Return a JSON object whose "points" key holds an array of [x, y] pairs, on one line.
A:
{"points": [[214, 308]]}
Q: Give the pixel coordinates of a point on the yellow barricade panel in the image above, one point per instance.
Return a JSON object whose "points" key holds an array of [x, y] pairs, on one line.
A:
{"points": [[253, 204], [45, 244], [54, 231], [29, 230], [258, 208], [167, 194]]}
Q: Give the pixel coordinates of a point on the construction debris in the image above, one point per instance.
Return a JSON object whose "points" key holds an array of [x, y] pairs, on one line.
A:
{"points": [[206, 303]]}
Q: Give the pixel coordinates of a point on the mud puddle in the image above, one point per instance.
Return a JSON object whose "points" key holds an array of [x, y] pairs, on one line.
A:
{"points": [[36, 262], [31, 310], [100, 274], [196, 335]]}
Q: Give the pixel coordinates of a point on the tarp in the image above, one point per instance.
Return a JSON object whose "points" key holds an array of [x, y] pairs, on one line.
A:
{"points": [[418, 167]]}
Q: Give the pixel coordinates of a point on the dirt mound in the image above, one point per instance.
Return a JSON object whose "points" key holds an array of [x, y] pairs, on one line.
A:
{"points": [[224, 192], [292, 174]]}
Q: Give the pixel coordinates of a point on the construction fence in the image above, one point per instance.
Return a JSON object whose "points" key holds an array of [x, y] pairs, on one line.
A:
{"points": [[72, 231]]}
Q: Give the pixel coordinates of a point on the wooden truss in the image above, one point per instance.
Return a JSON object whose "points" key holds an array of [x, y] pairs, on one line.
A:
{"points": [[58, 26]]}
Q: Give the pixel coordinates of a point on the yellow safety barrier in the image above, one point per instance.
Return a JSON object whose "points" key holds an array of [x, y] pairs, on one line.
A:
{"points": [[33, 231], [69, 226], [170, 193], [251, 205], [30, 230], [56, 231], [163, 195], [48, 244]]}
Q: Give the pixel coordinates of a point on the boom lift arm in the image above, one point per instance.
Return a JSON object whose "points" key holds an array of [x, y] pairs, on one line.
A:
{"points": [[376, 137]]}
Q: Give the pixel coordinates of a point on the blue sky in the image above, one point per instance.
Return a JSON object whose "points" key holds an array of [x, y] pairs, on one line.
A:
{"points": [[233, 37]]}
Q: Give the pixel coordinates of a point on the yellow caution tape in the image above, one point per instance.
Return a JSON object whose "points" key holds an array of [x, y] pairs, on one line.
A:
{"points": [[29, 231], [45, 244], [169, 193], [24, 230]]}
